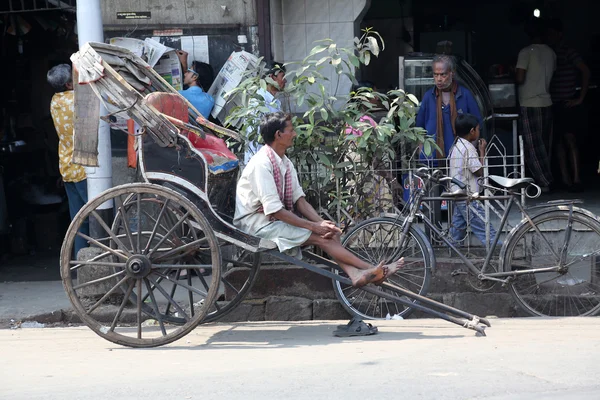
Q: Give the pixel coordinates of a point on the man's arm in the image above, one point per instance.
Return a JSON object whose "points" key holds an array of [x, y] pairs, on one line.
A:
{"points": [[472, 107], [477, 162], [307, 210], [521, 66], [585, 84], [323, 228], [420, 121], [520, 76], [183, 59]]}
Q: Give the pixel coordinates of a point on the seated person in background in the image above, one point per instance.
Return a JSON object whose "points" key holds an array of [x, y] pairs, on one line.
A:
{"points": [[193, 78], [372, 186], [267, 194], [466, 166]]}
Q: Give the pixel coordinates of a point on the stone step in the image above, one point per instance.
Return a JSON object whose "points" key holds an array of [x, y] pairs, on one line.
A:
{"points": [[286, 308], [290, 280]]}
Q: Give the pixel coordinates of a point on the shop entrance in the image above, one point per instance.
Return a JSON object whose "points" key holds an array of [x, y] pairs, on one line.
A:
{"points": [[488, 35], [33, 206]]}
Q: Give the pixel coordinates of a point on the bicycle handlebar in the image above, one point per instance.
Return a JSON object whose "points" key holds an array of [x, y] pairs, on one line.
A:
{"points": [[438, 176]]}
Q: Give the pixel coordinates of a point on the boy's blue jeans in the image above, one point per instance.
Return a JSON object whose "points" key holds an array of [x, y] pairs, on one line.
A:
{"points": [[458, 229], [77, 195]]}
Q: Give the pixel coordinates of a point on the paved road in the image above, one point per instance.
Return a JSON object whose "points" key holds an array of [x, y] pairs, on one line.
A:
{"points": [[413, 359]]}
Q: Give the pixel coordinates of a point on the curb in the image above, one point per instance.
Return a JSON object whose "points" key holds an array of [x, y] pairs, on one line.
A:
{"points": [[288, 308]]}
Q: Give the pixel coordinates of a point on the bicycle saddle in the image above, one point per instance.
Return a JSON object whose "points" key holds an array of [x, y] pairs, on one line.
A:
{"points": [[509, 183], [455, 193]]}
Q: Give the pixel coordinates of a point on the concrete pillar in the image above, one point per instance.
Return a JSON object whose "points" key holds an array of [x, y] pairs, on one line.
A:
{"points": [[99, 179], [89, 29]]}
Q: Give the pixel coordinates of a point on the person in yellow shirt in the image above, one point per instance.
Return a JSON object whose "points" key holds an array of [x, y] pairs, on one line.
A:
{"points": [[73, 176]]}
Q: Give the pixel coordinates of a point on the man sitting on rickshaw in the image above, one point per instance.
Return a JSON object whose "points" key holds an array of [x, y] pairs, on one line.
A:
{"points": [[267, 193]]}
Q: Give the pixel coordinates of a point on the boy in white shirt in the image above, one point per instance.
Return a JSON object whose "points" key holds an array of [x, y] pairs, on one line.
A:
{"points": [[466, 166]]}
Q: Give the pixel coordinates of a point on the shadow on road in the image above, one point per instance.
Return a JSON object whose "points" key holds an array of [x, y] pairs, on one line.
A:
{"points": [[278, 335]]}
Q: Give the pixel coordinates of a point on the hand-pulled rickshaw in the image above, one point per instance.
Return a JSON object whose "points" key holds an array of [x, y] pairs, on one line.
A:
{"points": [[169, 258]]}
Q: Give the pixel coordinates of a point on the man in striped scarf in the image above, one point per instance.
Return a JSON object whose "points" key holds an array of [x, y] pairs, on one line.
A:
{"points": [[269, 195]]}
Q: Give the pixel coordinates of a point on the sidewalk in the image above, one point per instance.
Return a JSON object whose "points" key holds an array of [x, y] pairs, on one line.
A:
{"points": [[31, 289], [44, 302]]}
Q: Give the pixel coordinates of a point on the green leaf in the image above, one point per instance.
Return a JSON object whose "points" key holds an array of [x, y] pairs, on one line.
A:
{"points": [[412, 98], [367, 58], [318, 49], [322, 60], [311, 79], [324, 159], [373, 46], [354, 60], [427, 148], [326, 40], [324, 114]]}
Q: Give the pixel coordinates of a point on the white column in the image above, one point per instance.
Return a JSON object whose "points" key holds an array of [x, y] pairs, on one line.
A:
{"points": [[89, 29]]}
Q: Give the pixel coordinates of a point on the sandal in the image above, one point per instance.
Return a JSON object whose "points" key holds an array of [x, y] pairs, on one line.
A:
{"points": [[185, 272], [355, 327], [183, 275]]}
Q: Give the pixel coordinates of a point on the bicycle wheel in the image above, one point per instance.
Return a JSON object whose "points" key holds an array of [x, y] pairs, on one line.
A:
{"points": [[375, 240], [128, 287], [240, 271], [572, 245]]}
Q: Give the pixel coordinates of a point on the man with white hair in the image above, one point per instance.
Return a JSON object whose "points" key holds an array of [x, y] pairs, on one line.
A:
{"points": [[442, 104], [73, 176]]}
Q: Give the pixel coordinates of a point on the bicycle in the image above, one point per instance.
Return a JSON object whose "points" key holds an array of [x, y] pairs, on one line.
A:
{"points": [[549, 260]]}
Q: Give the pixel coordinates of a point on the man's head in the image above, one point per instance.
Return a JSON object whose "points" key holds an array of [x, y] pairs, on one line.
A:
{"points": [[467, 126], [443, 71], [554, 30], [199, 74], [535, 28], [277, 127], [60, 78], [276, 71]]}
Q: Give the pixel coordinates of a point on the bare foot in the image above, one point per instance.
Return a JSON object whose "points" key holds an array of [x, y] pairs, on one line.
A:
{"points": [[370, 275], [391, 269]]}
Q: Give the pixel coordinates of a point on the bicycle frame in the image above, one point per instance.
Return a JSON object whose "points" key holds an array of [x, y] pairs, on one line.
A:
{"points": [[482, 273]]}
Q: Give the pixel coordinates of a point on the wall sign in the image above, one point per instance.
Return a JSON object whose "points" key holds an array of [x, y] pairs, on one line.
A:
{"points": [[134, 15]]}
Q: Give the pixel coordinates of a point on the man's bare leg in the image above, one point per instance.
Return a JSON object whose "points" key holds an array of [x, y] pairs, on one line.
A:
{"points": [[574, 156], [359, 271]]}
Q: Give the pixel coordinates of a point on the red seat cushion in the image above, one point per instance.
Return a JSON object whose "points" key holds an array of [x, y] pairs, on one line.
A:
{"points": [[214, 149]]}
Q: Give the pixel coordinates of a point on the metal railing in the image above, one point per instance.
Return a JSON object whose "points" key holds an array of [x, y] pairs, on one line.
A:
{"points": [[355, 192], [19, 6]]}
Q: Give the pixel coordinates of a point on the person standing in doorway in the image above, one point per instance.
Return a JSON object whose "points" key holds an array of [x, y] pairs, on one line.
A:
{"points": [[535, 65], [441, 105], [73, 176], [570, 69]]}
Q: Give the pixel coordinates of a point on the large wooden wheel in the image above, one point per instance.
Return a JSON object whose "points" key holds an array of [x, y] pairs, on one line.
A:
{"points": [[240, 269], [152, 276]]}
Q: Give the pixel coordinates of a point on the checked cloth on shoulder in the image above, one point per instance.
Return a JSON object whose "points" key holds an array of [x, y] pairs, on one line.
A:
{"points": [[285, 194]]}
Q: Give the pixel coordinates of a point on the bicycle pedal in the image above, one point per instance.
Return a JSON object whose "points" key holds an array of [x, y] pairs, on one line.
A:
{"points": [[458, 272]]}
